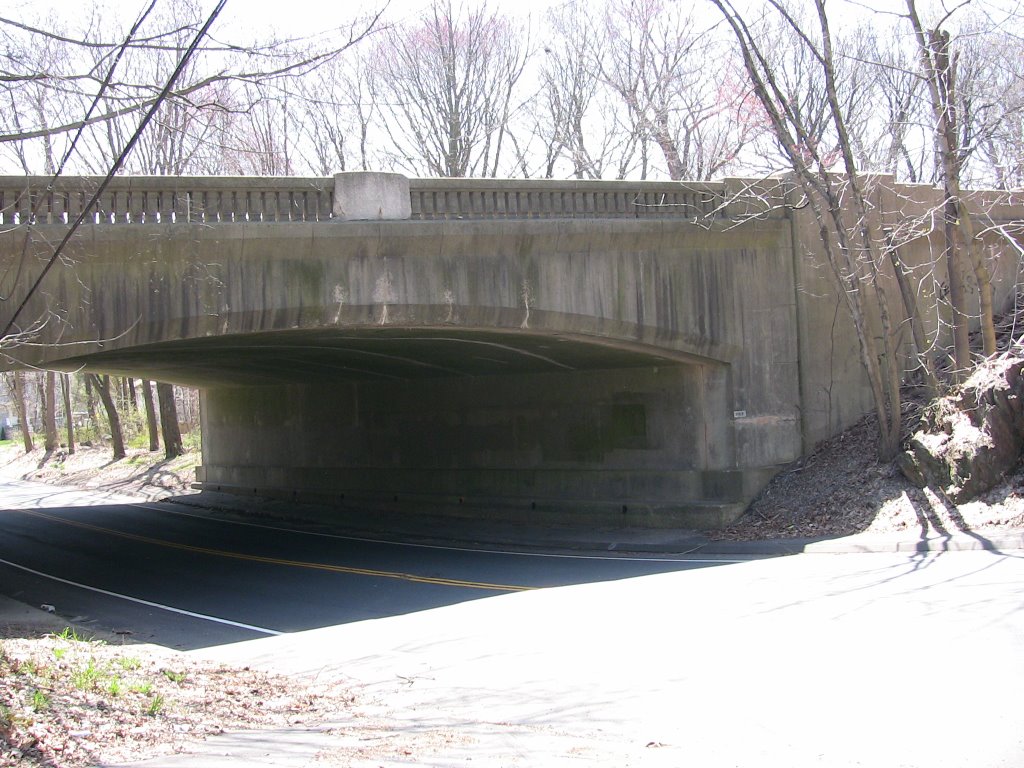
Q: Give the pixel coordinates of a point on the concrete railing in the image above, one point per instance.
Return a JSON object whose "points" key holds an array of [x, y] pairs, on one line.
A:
{"points": [[213, 199], [165, 199], [519, 199]]}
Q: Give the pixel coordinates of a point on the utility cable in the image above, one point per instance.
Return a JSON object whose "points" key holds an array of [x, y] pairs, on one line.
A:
{"points": [[161, 97]]}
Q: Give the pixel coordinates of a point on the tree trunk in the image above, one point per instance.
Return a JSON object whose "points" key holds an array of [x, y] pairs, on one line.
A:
{"points": [[69, 416], [957, 296], [50, 437], [151, 424], [17, 385], [132, 399], [940, 73], [169, 421], [922, 348], [90, 406], [102, 385]]}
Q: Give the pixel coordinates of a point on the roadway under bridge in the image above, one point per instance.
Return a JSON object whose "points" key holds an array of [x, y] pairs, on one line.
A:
{"points": [[606, 353]]}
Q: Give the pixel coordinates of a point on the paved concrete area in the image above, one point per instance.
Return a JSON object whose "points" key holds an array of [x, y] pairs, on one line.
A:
{"points": [[813, 660], [824, 660]]}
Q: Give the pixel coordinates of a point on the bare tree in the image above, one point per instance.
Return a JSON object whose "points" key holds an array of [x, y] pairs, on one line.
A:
{"points": [[939, 71], [169, 421], [52, 75], [446, 85], [849, 234], [571, 120], [335, 114], [69, 413], [48, 383], [151, 421], [655, 60], [16, 386], [102, 386], [897, 143]]}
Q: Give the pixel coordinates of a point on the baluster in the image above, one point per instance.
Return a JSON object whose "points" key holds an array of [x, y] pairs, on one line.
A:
{"points": [[106, 212], [44, 206], [27, 205], [182, 213], [256, 206], [165, 206], [60, 205], [532, 207], [217, 208], [135, 206], [202, 207]]}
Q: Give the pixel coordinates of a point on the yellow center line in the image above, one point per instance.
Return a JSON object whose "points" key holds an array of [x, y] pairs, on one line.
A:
{"points": [[278, 561]]}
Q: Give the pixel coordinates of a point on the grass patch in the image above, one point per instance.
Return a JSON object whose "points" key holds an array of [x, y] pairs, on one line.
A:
{"points": [[70, 635], [156, 704], [85, 678], [174, 677], [40, 701]]}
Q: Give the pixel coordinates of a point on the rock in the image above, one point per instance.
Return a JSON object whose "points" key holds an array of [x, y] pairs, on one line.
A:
{"points": [[970, 439], [910, 468]]}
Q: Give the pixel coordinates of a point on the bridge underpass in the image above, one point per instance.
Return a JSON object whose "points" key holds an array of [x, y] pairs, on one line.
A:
{"points": [[600, 353], [457, 421]]}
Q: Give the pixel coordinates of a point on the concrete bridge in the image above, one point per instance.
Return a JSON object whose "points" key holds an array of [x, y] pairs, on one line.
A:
{"points": [[638, 353]]}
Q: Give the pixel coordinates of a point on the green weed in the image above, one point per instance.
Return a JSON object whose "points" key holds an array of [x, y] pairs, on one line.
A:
{"points": [[174, 677], [145, 688], [155, 705], [40, 701], [114, 686], [129, 663], [59, 653], [86, 678]]}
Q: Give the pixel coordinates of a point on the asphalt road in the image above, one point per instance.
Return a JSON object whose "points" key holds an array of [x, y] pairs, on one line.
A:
{"points": [[170, 576]]}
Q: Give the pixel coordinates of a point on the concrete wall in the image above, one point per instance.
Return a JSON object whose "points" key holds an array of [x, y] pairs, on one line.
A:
{"points": [[614, 447], [833, 385]]}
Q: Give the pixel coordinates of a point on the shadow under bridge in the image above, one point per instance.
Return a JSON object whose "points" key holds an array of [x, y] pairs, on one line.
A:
{"points": [[534, 427]]}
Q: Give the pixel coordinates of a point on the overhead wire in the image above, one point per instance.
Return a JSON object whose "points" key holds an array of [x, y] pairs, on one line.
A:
{"points": [[116, 165]]}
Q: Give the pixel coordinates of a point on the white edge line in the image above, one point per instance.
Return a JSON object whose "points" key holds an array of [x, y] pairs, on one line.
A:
{"points": [[140, 601], [682, 559]]}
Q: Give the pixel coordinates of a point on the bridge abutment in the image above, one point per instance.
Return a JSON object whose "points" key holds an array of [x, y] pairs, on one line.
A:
{"points": [[634, 446]]}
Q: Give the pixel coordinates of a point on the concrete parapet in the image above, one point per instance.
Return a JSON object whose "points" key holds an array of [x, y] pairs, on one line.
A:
{"points": [[371, 196]]}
